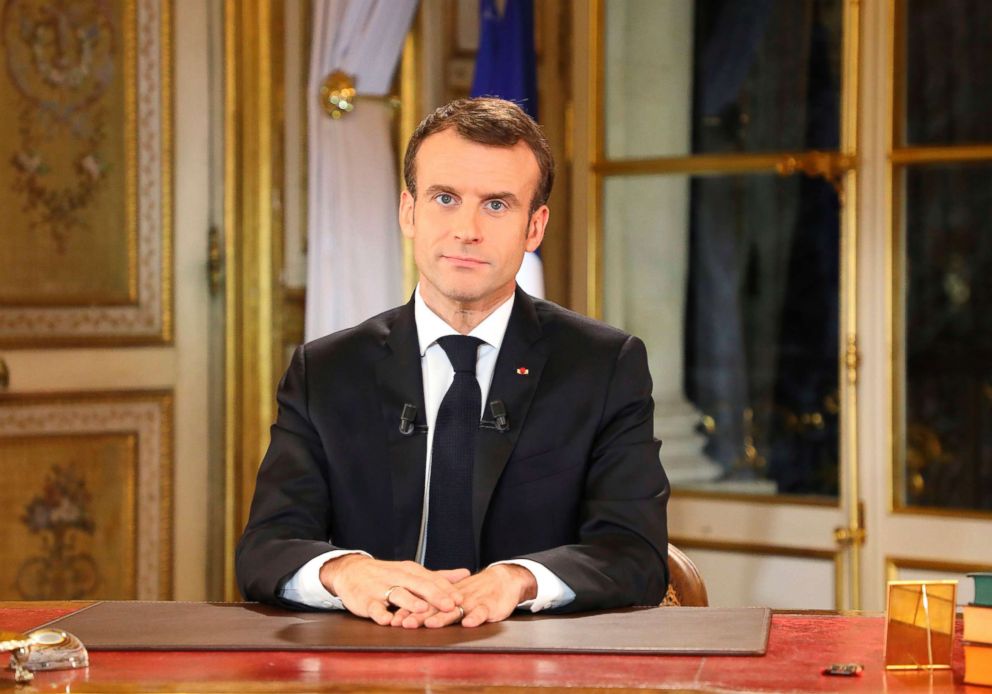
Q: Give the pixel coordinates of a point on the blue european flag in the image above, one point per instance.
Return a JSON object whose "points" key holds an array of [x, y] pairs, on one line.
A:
{"points": [[505, 66]]}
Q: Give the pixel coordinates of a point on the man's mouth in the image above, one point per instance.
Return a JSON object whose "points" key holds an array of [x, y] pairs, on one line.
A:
{"points": [[463, 261]]}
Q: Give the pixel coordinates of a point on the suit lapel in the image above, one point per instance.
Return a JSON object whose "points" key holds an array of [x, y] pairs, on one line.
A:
{"points": [[400, 381], [521, 349]]}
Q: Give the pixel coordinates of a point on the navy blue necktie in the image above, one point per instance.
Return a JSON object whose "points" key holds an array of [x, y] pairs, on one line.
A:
{"points": [[450, 537]]}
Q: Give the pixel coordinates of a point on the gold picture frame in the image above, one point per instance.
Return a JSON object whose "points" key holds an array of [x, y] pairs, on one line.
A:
{"points": [[86, 512], [86, 174]]}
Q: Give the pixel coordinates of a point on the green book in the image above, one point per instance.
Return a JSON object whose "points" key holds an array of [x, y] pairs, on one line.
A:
{"points": [[983, 588]]}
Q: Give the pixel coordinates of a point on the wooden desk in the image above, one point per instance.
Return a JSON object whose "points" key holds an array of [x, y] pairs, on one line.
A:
{"points": [[799, 646]]}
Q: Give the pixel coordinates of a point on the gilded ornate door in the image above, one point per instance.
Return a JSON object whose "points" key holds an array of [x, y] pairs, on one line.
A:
{"points": [[103, 299]]}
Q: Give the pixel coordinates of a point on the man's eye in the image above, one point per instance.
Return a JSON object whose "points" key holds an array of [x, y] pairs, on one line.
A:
{"points": [[445, 198], [496, 205]]}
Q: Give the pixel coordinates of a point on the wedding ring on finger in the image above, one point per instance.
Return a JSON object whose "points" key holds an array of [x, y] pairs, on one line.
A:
{"points": [[389, 592], [461, 613]]}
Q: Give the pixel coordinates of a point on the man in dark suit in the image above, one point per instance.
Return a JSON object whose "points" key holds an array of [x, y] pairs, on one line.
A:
{"points": [[384, 493]]}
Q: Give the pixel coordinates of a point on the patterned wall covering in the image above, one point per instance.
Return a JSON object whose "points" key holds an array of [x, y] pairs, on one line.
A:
{"points": [[86, 504], [85, 172]]}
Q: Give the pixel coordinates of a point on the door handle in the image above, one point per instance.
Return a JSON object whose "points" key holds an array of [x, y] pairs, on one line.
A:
{"points": [[4, 375], [854, 535]]}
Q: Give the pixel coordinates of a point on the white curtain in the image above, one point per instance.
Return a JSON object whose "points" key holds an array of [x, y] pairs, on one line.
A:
{"points": [[354, 264]]}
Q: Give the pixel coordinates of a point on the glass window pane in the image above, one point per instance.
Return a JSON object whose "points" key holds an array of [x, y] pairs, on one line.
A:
{"points": [[948, 47], [721, 76], [948, 323], [732, 281]]}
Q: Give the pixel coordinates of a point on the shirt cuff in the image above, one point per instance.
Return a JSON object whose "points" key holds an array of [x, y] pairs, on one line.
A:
{"points": [[551, 591], [305, 587]]}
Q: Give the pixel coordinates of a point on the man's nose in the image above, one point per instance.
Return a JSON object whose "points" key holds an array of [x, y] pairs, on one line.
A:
{"points": [[467, 227]]}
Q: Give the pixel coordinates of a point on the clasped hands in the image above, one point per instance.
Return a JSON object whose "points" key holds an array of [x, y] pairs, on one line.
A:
{"points": [[420, 597]]}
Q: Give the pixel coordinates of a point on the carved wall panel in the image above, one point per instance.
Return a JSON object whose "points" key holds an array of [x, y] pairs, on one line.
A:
{"points": [[85, 172], [86, 503]]}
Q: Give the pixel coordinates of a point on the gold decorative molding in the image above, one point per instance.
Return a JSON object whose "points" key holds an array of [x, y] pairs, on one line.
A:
{"points": [[953, 154], [896, 77], [782, 163], [904, 509], [828, 165], [410, 112], [894, 563], [253, 72], [852, 359], [305, 28], [596, 147], [895, 329], [145, 317], [848, 322], [144, 415]]}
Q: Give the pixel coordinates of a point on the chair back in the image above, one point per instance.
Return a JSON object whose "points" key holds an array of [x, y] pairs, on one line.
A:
{"points": [[685, 585]]}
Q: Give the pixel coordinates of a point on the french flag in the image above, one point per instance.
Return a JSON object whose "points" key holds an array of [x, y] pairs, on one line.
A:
{"points": [[505, 66]]}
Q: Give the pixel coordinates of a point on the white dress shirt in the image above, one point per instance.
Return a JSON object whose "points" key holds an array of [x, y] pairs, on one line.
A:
{"points": [[305, 586]]}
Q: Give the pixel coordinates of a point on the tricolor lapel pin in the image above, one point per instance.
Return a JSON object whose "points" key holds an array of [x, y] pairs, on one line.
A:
{"points": [[522, 371]]}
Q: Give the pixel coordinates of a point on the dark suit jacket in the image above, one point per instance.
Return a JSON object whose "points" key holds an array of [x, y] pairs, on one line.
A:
{"points": [[575, 483]]}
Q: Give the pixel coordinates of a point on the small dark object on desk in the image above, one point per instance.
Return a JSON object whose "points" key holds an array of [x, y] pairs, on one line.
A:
{"points": [[844, 670]]}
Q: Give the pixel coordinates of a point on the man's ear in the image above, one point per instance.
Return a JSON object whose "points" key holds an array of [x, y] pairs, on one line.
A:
{"points": [[405, 213], [536, 226]]}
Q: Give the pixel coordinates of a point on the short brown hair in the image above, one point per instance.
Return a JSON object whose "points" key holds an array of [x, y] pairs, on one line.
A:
{"points": [[487, 121]]}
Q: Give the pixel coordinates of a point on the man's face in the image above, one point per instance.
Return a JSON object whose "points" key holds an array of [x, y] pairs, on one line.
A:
{"points": [[470, 223]]}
